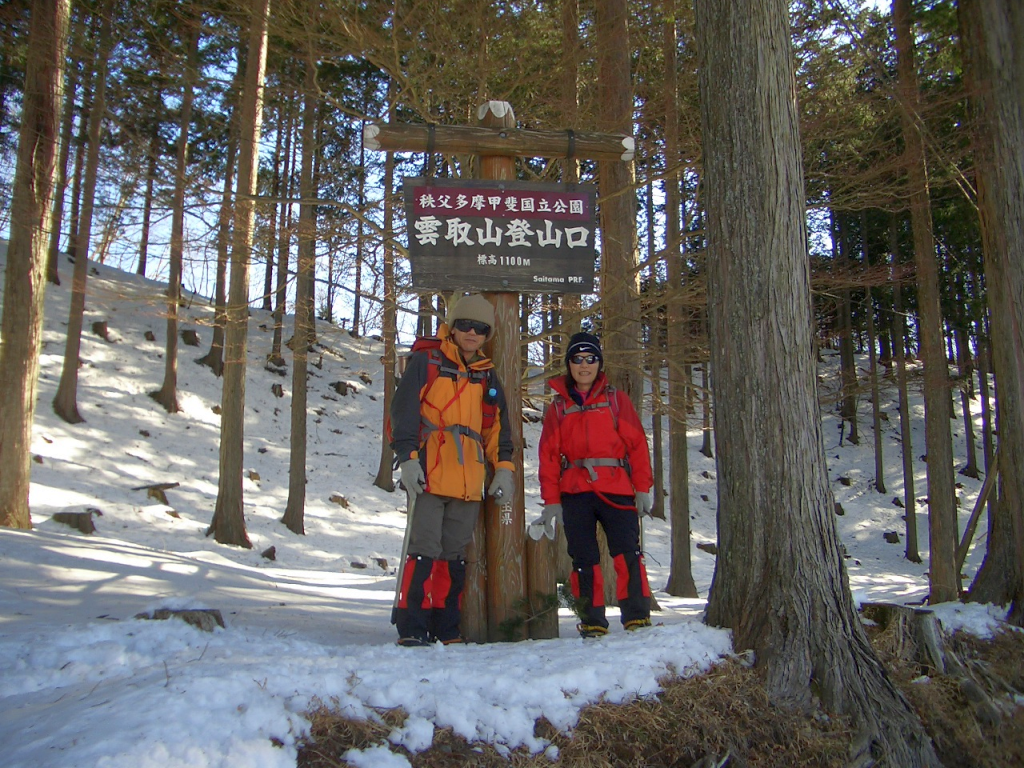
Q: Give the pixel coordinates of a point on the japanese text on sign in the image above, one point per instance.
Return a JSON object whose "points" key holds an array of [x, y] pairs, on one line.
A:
{"points": [[501, 235]]}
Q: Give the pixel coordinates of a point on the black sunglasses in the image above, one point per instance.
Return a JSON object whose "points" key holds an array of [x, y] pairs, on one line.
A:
{"points": [[465, 326], [581, 359]]}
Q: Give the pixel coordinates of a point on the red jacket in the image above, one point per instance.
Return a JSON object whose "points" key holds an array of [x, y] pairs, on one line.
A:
{"points": [[590, 434]]}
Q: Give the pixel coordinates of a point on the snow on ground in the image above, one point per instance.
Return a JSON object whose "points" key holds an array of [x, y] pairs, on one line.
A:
{"points": [[84, 683]]}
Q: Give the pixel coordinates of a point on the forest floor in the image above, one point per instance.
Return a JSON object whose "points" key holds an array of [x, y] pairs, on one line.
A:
{"points": [[725, 719]]}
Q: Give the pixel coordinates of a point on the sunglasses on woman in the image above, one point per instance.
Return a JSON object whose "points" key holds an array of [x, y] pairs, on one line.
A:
{"points": [[465, 326], [581, 359]]}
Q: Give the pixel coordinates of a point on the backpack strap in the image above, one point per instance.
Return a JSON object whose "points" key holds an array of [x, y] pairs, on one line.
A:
{"points": [[439, 365]]}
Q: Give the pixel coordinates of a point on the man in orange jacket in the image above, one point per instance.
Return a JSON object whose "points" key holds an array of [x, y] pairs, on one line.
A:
{"points": [[447, 426]]}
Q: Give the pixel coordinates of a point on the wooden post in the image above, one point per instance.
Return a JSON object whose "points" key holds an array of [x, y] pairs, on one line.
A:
{"points": [[504, 522]]}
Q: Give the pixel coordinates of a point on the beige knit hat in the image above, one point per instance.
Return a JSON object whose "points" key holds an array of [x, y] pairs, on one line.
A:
{"points": [[473, 307]]}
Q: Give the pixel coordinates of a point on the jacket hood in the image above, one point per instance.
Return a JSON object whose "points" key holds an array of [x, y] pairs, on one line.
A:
{"points": [[562, 382]]}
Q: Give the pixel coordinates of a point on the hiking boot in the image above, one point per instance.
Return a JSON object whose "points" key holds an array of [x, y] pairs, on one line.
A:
{"points": [[634, 624], [413, 642], [591, 630], [460, 640]]}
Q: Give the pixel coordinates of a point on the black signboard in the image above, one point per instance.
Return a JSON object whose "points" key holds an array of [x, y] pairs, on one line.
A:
{"points": [[501, 235]]}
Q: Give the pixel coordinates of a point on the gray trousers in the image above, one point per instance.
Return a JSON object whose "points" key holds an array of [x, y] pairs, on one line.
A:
{"points": [[442, 527]]}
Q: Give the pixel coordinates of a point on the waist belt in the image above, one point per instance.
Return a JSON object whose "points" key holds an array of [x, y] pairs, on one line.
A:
{"points": [[456, 429], [589, 464]]}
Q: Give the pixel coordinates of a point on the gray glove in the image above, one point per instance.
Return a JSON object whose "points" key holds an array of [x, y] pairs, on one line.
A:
{"points": [[413, 480], [644, 503], [546, 524], [503, 486]]}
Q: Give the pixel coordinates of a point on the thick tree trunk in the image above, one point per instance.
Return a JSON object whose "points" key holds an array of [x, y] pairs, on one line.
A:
{"points": [[943, 578], [65, 401], [993, 31], [228, 524], [779, 580], [167, 395], [620, 298], [21, 328]]}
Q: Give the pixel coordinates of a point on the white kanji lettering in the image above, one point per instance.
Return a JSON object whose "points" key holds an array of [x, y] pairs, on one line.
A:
{"points": [[559, 206], [576, 237], [458, 232], [549, 236], [481, 259], [490, 234], [512, 204], [494, 202], [479, 202], [543, 206], [576, 207], [526, 204], [492, 259], [426, 229], [444, 201], [461, 201], [517, 231], [427, 200]]}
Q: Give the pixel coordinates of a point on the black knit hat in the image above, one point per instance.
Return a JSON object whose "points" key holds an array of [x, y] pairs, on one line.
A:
{"points": [[584, 344]]}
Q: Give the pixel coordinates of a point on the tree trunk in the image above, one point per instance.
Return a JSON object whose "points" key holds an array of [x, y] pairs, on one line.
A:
{"points": [[655, 357], [779, 581], [966, 370], [943, 577], [993, 30], [286, 125], [21, 328], [65, 402], [620, 328], [680, 579], [228, 524], [844, 322], [876, 406], [214, 358], [60, 185], [899, 345], [385, 479], [147, 203], [167, 395], [295, 511]]}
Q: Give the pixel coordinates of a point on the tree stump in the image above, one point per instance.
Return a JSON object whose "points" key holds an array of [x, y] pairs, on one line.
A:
{"points": [[81, 521], [206, 619], [101, 330]]}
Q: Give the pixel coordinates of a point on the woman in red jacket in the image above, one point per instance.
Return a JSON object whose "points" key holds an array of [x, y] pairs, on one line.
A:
{"points": [[595, 468]]}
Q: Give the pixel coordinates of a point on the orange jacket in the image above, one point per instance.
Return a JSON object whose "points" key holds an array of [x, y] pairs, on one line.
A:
{"points": [[591, 433], [443, 425]]}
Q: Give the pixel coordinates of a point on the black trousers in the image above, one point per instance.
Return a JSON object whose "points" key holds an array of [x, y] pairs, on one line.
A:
{"points": [[581, 513]]}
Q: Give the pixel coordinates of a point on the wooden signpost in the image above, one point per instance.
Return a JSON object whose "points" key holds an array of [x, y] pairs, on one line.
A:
{"points": [[500, 588]]}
